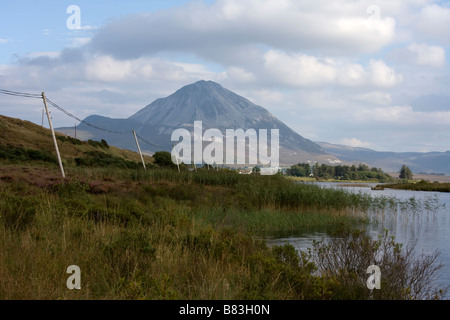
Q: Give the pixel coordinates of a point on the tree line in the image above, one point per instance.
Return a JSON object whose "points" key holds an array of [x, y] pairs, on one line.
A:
{"points": [[339, 172]]}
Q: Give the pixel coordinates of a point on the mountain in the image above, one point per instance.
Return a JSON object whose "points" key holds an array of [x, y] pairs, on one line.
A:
{"points": [[204, 101], [427, 162]]}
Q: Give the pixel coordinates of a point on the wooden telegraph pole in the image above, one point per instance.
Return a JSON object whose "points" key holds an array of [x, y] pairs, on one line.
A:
{"points": [[53, 135], [139, 149], [176, 158]]}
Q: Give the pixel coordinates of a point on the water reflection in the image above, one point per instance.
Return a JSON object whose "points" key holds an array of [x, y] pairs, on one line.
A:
{"points": [[413, 217]]}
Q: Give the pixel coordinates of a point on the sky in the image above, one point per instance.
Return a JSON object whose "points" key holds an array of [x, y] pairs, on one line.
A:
{"points": [[372, 74]]}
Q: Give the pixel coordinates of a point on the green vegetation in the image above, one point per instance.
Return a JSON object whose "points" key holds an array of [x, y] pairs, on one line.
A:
{"points": [[70, 139], [14, 153], [102, 159], [25, 135], [164, 234], [345, 258], [102, 144], [419, 186], [160, 234], [163, 159], [405, 173], [339, 172]]}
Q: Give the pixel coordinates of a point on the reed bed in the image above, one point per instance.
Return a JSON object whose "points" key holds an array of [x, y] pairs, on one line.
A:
{"points": [[160, 234]]}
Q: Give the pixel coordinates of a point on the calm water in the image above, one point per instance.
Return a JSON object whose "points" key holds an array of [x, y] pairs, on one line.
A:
{"points": [[422, 218]]}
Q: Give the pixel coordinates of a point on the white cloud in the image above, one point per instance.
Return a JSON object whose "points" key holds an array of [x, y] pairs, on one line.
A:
{"points": [[434, 21], [382, 75], [79, 42], [108, 69], [305, 70], [3, 41], [43, 54], [425, 55], [232, 10], [373, 97], [419, 54], [239, 75], [394, 114], [229, 24], [105, 68], [299, 69], [265, 97], [403, 116], [352, 74], [88, 28], [354, 142]]}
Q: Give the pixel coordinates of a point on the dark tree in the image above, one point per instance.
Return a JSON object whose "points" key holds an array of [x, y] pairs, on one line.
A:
{"points": [[405, 173], [256, 170], [163, 159]]}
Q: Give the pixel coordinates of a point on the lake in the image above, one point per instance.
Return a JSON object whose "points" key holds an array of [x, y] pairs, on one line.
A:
{"points": [[421, 217]]}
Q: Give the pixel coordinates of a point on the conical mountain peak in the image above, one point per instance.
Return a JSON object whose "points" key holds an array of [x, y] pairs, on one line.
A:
{"points": [[205, 101], [214, 105]]}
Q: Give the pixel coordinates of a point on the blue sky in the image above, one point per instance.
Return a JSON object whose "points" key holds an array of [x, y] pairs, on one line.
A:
{"points": [[40, 26], [364, 73]]}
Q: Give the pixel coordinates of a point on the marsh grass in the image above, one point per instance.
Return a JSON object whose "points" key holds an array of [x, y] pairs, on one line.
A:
{"points": [[160, 234]]}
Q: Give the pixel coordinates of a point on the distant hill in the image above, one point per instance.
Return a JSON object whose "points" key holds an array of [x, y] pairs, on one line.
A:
{"points": [[204, 101], [18, 136], [428, 162]]}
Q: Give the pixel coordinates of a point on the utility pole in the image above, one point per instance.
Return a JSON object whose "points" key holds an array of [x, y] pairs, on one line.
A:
{"points": [[176, 157], [139, 149], [53, 135]]}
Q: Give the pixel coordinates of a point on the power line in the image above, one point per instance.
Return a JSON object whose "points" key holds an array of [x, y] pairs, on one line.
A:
{"points": [[83, 121], [39, 96], [152, 144], [96, 127], [21, 94]]}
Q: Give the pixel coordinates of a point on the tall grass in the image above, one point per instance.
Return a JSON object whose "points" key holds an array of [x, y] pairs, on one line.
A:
{"points": [[160, 234]]}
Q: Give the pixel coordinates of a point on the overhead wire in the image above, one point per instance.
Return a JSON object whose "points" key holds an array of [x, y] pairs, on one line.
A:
{"points": [[152, 144], [20, 94], [35, 95], [83, 121]]}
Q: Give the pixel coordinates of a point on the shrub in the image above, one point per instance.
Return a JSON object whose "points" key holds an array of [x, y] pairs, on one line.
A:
{"points": [[69, 139], [102, 144], [164, 159], [102, 159], [347, 255], [11, 152]]}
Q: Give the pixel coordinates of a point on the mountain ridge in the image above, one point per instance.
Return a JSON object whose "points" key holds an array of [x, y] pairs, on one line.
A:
{"points": [[206, 101], [419, 162]]}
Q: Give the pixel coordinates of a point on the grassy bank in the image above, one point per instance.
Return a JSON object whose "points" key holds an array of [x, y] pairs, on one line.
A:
{"points": [[349, 181], [135, 234], [161, 234], [419, 186]]}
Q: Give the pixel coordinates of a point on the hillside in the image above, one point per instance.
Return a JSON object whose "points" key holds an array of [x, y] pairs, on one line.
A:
{"points": [[25, 140], [425, 163]]}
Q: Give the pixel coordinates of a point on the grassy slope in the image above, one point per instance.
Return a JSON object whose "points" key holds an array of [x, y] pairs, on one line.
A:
{"points": [[28, 135]]}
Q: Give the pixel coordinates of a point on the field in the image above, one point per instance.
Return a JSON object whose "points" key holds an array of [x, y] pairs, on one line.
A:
{"points": [[419, 186], [427, 177], [164, 234]]}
